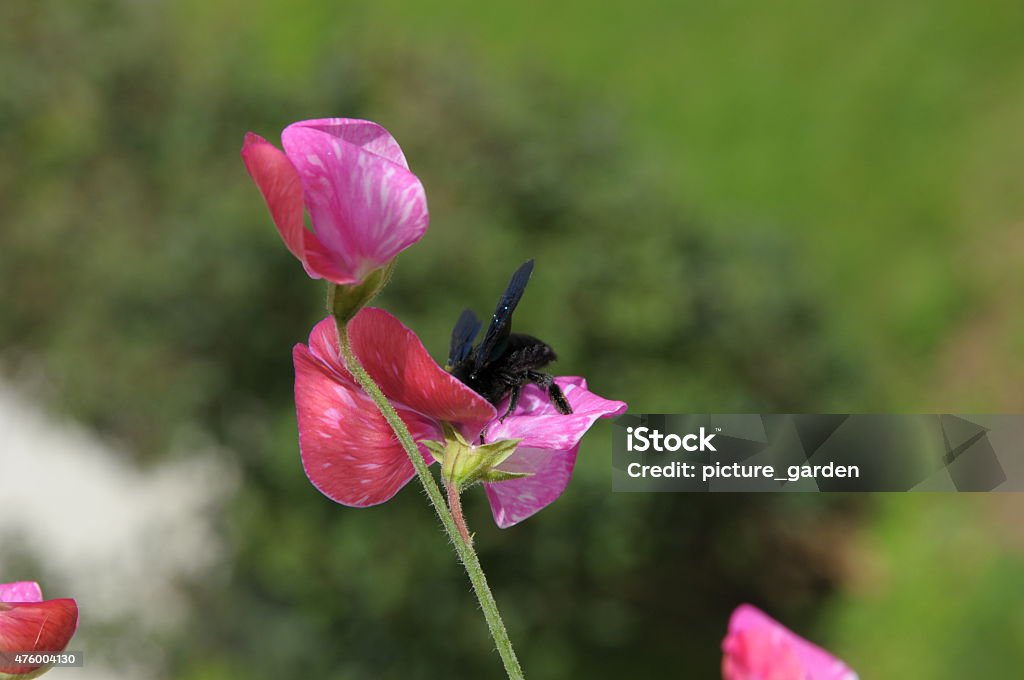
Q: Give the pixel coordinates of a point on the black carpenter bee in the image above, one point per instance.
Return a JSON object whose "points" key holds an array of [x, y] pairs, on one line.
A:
{"points": [[504, 361]]}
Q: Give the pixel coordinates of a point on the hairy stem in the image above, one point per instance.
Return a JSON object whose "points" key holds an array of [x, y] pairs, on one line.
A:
{"points": [[455, 505], [458, 533]]}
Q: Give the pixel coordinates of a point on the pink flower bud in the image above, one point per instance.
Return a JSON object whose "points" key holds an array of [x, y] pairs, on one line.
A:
{"points": [[351, 178]]}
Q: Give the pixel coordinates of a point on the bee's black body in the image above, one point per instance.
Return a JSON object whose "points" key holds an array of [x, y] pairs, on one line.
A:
{"points": [[504, 361]]}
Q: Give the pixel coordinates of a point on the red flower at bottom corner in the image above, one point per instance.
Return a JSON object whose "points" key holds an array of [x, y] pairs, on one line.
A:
{"points": [[28, 623], [758, 647]]}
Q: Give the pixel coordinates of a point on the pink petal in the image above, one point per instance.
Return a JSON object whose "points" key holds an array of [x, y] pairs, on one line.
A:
{"points": [[396, 359], [752, 657], [407, 374], [550, 442], [759, 648], [362, 133], [21, 591], [35, 627], [515, 500], [539, 425], [323, 343], [348, 450], [279, 183], [365, 208]]}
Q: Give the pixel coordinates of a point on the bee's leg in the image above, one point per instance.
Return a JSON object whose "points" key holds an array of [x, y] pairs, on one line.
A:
{"points": [[559, 400], [546, 382], [513, 400]]}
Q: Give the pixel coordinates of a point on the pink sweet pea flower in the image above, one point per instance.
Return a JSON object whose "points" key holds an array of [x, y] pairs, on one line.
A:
{"points": [[350, 175], [348, 450], [550, 442], [30, 624], [351, 455], [759, 648]]}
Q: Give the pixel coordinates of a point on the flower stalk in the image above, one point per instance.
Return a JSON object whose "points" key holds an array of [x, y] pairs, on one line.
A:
{"points": [[455, 505], [457, 531]]}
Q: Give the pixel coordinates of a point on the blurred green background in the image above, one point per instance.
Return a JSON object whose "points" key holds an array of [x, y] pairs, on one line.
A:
{"points": [[787, 206]]}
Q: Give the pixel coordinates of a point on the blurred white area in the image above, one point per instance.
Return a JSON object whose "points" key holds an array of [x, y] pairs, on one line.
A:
{"points": [[118, 538]]}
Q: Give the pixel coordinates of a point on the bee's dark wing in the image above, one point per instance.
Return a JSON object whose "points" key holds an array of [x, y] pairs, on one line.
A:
{"points": [[463, 336], [501, 323]]}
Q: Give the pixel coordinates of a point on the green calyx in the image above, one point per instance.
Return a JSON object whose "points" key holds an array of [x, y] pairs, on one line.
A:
{"points": [[344, 302], [463, 464]]}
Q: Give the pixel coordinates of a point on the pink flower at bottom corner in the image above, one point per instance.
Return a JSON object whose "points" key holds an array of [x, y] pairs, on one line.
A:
{"points": [[550, 443], [28, 623], [759, 648]]}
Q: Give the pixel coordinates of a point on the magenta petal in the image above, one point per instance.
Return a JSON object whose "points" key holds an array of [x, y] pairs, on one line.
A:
{"points": [[515, 500], [407, 374], [365, 208], [539, 425], [550, 442], [362, 133], [348, 450], [758, 647], [321, 264], [21, 591]]}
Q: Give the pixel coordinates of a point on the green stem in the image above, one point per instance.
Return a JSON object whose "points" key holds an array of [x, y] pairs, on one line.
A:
{"points": [[463, 547]]}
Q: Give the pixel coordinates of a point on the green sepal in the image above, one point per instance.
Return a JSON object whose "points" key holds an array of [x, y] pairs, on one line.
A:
{"points": [[464, 464], [436, 449], [503, 476], [344, 302], [451, 434]]}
